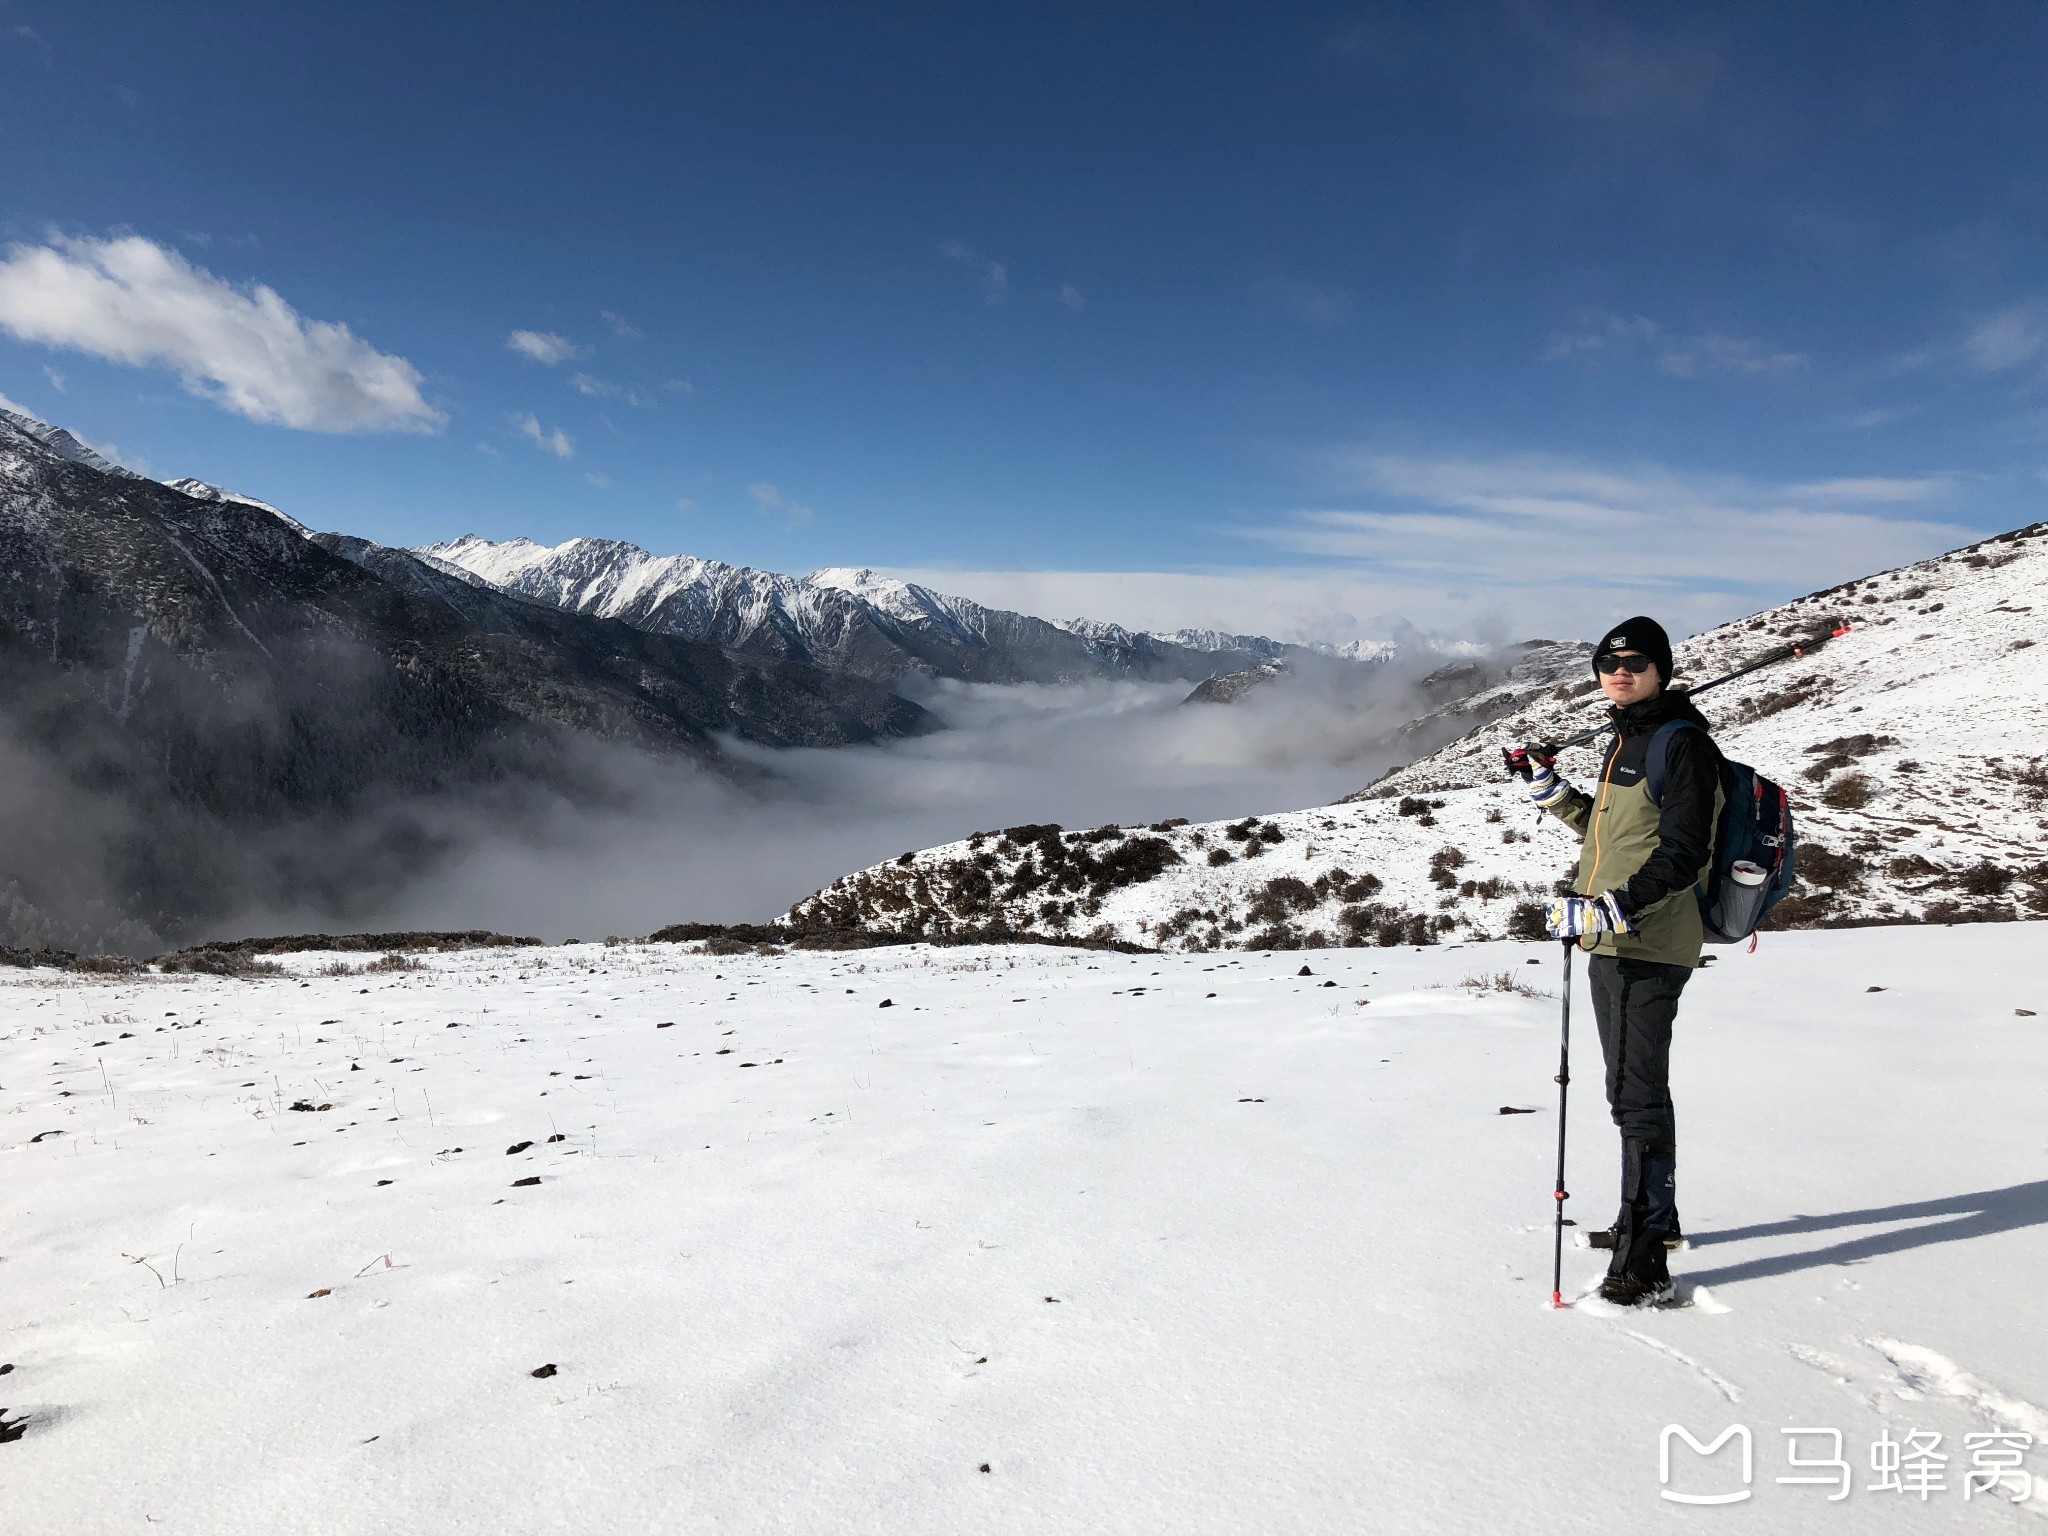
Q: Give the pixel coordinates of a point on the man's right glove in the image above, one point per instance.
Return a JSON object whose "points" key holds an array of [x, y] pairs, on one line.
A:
{"points": [[1572, 917]]}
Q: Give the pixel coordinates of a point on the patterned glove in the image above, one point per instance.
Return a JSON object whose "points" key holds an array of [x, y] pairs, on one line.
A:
{"points": [[1572, 917], [1538, 765]]}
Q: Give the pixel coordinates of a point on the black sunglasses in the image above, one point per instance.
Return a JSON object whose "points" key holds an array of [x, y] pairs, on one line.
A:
{"points": [[1612, 663]]}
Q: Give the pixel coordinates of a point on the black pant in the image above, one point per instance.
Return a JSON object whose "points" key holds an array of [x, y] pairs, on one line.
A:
{"points": [[1634, 1003]]}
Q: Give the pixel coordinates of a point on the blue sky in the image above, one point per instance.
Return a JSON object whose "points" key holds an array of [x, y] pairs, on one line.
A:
{"points": [[1502, 317]]}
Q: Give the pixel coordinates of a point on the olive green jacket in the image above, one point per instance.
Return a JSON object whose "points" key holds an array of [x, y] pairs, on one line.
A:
{"points": [[1620, 829]]}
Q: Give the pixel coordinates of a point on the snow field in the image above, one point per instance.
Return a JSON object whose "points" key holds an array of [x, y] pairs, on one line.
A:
{"points": [[811, 1294]]}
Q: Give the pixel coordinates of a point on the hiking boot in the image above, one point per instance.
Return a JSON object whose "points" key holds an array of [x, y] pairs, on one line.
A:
{"points": [[1626, 1290]]}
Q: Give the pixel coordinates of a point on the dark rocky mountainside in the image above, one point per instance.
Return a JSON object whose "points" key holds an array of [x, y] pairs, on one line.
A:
{"points": [[190, 685]]}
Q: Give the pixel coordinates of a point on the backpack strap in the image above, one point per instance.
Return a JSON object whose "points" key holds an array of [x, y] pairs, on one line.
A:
{"points": [[1656, 761]]}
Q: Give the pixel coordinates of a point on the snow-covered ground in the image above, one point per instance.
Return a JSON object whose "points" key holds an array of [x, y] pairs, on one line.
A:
{"points": [[1060, 1241]]}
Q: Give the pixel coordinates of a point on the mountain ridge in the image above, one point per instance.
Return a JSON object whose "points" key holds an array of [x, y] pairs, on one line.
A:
{"points": [[857, 619], [190, 684]]}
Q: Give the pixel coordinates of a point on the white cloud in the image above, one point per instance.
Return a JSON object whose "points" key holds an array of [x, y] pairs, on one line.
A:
{"points": [[768, 499], [1599, 333], [680, 387], [1603, 333], [623, 328], [544, 347], [556, 441], [1727, 354], [1070, 297], [602, 482], [686, 505], [56, 379], [584, 384], [17, 407], [992, 275], [2009, 338], [1877, 488], [1531, 521], [35, 40], [129, 300]]}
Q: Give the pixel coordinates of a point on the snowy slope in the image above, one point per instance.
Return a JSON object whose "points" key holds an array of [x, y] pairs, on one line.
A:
{"points": [[1913, 747], [853, 618], [206, 492], [1059, 1243], [64, 445]]}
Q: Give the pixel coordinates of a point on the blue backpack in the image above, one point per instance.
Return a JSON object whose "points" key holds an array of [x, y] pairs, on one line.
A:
{"points": [[1755, 829]]}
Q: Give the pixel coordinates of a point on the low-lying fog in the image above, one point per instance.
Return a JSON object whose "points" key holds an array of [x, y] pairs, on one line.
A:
{"points": [[677, 845]]}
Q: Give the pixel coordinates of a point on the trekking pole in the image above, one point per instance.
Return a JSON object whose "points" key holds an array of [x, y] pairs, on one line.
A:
{"points": [[1768, 659], [1564, 1081]]}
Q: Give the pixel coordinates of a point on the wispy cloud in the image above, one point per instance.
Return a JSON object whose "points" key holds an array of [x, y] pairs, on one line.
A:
{"points": [[605, 389], [621, 327], [793, 513], [56, 379], [129, 300], [1069, 297], [1323, 305], [30, 37], [1877, 489], [992, 275], [1599, 334], [1727, 354], [1532, 520], [1879, 416], [2009, 339], [555, 441], [602, 482], [544, 347]]}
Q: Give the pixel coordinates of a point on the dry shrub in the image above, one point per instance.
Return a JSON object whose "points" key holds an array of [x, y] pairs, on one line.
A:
{"points": [[1850, 792]]}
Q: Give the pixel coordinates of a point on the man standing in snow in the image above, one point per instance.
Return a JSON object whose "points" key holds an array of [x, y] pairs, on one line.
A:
{"points": [[1646, 843]]}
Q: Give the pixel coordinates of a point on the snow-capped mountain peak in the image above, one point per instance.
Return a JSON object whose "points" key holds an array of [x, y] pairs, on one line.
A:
{"points": [[851, 618]]}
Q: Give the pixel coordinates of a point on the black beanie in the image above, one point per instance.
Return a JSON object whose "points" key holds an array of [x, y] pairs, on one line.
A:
{"points": [[1638, 634]]}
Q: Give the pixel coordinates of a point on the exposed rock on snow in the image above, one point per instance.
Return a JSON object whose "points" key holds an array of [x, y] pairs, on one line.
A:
{"points": [[1913, 747]]}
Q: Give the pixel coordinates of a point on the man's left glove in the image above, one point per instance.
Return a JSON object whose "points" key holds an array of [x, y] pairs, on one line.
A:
{"points": [[1572, 917]]}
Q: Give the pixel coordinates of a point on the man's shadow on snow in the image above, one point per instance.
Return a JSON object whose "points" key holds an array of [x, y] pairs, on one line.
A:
{"points": [[1977, 1215]]}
